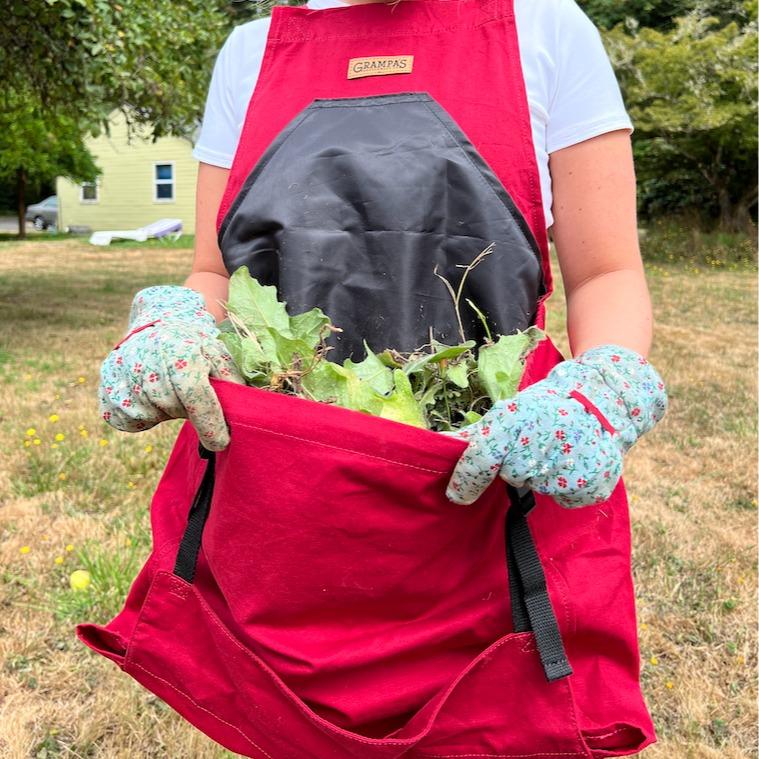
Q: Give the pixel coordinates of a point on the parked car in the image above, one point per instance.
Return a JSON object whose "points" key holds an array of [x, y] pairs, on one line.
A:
{"points": [[43, 214]]}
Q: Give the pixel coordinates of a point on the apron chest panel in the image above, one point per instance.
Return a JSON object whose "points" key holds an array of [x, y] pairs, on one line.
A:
{"points": [[356, 205]]}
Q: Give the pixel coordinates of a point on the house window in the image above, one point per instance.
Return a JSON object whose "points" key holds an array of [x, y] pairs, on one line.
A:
{"points": [[164, 182], [88, 192]]}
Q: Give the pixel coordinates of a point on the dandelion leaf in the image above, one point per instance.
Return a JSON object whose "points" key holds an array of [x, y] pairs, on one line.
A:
{"points": [[248, 357], [256, 305], [458, 374], [332, 383], [401, 405], [439, 353], [309, 326], [373, 371], [500, 364]]}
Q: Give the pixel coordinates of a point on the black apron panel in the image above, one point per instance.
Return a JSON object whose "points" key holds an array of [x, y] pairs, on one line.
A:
{"points": [[356, 202]]}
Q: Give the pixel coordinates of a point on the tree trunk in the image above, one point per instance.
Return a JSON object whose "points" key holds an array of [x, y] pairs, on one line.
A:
{"points": [[734, 215], [21, 197]]}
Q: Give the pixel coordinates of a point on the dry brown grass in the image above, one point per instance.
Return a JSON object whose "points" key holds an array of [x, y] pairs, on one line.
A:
{"points": [[692, 484]]}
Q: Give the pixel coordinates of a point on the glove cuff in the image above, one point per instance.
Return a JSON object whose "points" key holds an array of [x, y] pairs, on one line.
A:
{"points": [[168, 303], [637, 388]]}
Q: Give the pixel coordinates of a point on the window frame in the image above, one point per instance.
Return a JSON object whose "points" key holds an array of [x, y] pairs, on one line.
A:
{"points": [[89, 201], [172, 182]]}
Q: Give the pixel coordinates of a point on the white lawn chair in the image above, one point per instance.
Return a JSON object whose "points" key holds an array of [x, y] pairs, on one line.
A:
{"points": [[161, 228]]}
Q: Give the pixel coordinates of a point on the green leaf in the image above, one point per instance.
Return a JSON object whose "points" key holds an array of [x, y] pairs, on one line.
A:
{"points": [[500, 365], [482, 318], [440, 353], [287, 350], [256, 305], [332, 383], [458, 374], [309, 326], [388, 359], [431, 394], [372, 371], [248, 358], [401, 405], [470, 417]]}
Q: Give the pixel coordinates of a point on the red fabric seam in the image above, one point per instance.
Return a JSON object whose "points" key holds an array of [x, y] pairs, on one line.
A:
{"points": [[592, 409], [134, 332]]}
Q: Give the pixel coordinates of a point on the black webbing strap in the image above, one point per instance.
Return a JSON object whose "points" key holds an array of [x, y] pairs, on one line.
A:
{"points": [[187, 555], [530, 604]]}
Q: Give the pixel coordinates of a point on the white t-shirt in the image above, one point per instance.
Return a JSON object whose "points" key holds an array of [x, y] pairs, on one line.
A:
{"points": [[572, 90]]}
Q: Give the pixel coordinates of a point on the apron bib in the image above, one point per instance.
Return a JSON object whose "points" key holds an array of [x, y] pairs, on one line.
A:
{"points": [[311, 592]]}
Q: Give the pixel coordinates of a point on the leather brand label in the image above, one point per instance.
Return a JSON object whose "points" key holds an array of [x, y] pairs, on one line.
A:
{"points": [[380, 65]]}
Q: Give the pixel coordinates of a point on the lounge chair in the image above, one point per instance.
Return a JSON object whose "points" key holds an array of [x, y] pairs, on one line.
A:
{"points": [[160, 228]]}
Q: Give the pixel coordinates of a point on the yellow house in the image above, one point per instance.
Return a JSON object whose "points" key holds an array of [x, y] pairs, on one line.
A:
{"points": [[142, 182]]}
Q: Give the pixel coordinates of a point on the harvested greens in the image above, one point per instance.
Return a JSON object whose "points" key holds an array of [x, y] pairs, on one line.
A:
{"points": [[440, 387]]}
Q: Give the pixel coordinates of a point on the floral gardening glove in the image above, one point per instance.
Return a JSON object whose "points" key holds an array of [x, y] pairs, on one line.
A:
{"points": [[566, 435], [160, 370]]}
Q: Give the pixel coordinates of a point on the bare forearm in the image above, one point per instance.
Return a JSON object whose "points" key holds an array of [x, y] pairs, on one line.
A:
{"points": [[611, 308], [213, 287], [209, 276]]}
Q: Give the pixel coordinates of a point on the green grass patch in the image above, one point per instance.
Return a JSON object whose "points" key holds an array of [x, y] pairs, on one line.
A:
{"points": [[183, 241], [111, 574], [678, 240]]}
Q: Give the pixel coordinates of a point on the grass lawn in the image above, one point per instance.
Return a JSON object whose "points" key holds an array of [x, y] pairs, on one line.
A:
{"points": [[74, 494]]}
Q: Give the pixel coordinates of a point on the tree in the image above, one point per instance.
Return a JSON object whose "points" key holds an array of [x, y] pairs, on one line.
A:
{"points": [[661, 14], [690, 92], [150, 58], [36, 144], [66, 65]]}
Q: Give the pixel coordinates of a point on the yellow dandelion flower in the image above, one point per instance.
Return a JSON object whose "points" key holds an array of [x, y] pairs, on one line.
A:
{"points": [[37, 441], [24, 549], [63, 476], [81, 380], [53, 445], [148, 448], [57, 396], [79, 579], [69, 548], [669, 684], [31, 432], [102, 441], [27, 443], [131, 485], [80, 427], [58, 559], [53, 418], [60, 437], [644, 625], [84, 433], [654, 661]]}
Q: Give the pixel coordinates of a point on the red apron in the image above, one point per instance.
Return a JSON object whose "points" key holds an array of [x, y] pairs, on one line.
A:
{"points": [[311, 592]]}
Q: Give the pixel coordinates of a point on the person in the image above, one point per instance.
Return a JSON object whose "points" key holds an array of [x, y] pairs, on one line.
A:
{"points": [[565, 435]]}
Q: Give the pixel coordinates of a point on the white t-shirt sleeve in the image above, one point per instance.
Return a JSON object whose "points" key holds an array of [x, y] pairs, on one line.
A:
{"points": [[584, 99], [219, 133]]}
